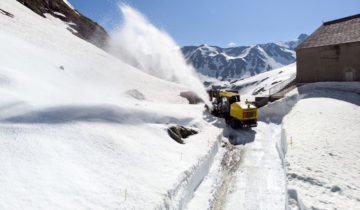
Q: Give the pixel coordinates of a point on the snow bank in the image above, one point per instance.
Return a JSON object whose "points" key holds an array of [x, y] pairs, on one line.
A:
{"points": [[303, 125], [275, 111], [323, 147], [182, 193]]}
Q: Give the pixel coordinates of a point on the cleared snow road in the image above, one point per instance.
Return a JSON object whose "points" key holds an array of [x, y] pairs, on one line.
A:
{"points": [[247, 172]]}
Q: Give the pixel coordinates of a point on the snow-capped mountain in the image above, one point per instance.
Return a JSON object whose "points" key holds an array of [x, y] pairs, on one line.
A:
{"points": [[243, 61]]}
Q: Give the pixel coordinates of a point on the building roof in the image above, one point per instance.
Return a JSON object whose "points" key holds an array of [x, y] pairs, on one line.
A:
{"points": [[333, 32]]}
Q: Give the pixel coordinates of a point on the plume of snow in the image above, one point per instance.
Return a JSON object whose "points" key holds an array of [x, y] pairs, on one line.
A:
{"points": [[140, 44]]}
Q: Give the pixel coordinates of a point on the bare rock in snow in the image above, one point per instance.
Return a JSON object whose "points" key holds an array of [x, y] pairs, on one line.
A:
{"points": [[135, 94], [6, 13], [191, 97], [178, 133], [86, 28], [335, 189]]}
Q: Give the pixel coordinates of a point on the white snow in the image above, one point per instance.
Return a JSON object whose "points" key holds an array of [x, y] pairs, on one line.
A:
{"points": [[153, 51], [254, 58], [212, 51], [71, 135], [249, 176], [59, 14], [293, 163], [260, 181], [258, 85], [81, 129], [323, 135]]}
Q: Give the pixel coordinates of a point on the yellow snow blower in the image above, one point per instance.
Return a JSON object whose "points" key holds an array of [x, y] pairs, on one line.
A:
{"points": [[227, 105]]}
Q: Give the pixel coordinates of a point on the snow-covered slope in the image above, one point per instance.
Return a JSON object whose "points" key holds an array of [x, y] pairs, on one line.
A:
{"points": [[78, 24], [258, 85], [80, 129], [241, 62]]}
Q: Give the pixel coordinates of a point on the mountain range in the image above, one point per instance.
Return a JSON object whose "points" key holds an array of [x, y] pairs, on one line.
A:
{"points": [[243, 61]]}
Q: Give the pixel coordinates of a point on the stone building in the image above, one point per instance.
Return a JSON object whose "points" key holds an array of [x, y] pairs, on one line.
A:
{"points": [[331, 53]]}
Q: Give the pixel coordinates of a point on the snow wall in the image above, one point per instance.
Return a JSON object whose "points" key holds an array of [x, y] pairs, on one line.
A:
{"points": [[180, 195], [277, 110], [274, 113]]}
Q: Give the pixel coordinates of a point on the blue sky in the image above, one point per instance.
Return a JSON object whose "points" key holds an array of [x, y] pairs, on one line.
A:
{"points": [[216, 22]]}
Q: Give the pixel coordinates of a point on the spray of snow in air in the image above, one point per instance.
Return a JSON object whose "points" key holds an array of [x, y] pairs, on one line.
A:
{"points": [[141, 44]]}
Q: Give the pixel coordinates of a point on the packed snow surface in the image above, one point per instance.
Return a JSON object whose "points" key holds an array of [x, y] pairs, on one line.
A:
{"points": [[323, 155], [247, 172]]}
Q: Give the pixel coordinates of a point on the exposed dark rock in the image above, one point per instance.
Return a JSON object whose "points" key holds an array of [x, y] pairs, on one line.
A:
{"points": [[255, 92], [135, 94], [86, 28], [6, 13], [178, 133], [191, 97], [309, 180], [335, 189], [275, 82]]}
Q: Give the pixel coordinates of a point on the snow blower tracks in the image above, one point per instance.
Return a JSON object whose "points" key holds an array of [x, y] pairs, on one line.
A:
{"points": [[230, 163]]}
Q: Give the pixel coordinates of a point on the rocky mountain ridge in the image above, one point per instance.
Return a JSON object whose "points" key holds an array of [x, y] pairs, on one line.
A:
{"points": [[79, 25], [242, 61]]}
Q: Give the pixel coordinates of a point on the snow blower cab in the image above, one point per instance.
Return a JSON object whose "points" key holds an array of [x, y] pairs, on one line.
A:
{"points": [[227, 105]]}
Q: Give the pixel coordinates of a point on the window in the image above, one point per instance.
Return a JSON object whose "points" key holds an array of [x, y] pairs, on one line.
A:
{"points": [[234, 99], [349, 76]]}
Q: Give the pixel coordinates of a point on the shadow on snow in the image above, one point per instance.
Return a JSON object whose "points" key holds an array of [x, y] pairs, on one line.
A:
{"points": [[99, 113], [235, 136]]}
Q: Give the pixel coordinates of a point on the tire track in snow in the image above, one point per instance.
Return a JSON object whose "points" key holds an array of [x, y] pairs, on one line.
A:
{"points": [[230, 163]]}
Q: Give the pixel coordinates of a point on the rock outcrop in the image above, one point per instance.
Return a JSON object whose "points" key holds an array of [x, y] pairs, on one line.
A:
{"points": [[192, 97], [84, 27], [179, 133]]}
